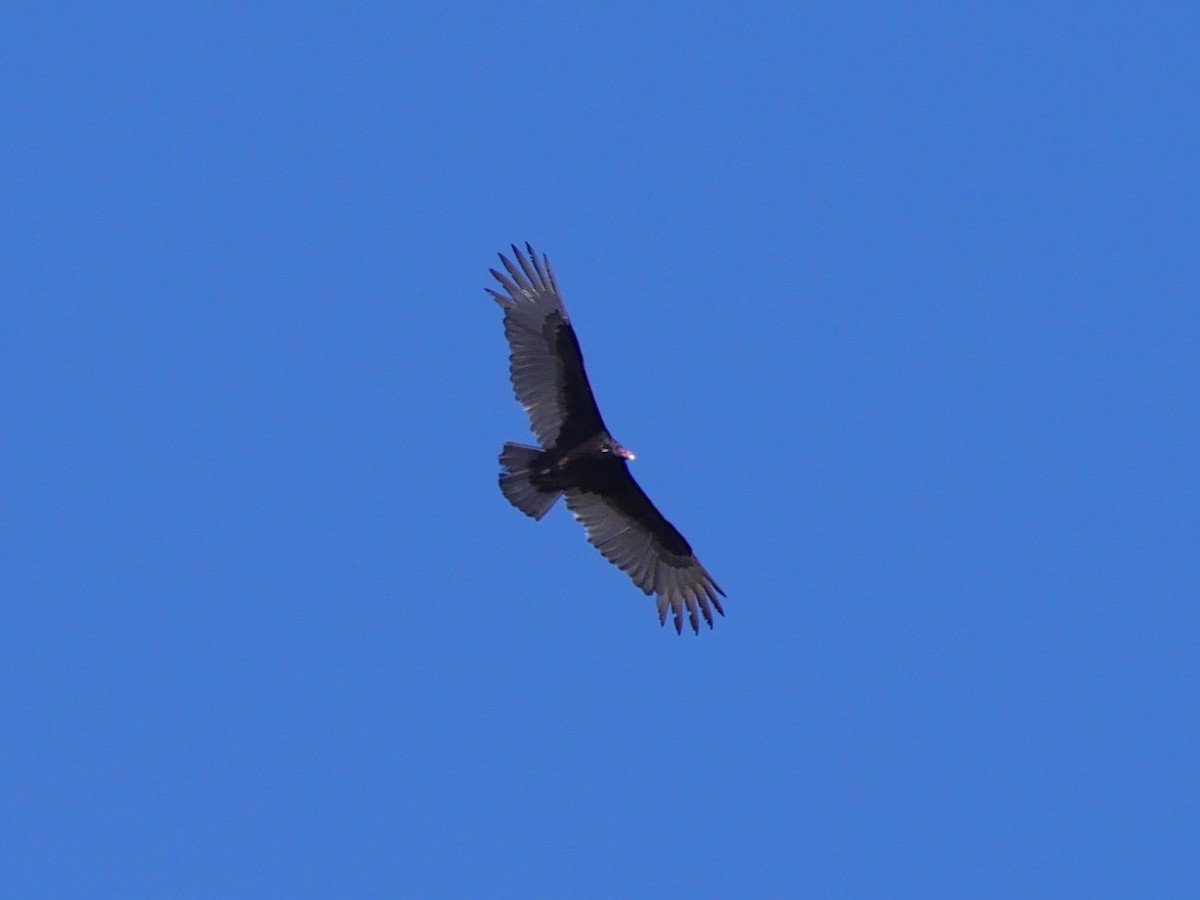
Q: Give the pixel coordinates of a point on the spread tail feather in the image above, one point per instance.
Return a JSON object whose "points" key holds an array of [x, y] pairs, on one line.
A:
{"points": [[517, 481]]}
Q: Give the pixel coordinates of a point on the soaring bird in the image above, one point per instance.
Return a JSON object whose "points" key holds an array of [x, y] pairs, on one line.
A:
{"points": [[577, 457]]}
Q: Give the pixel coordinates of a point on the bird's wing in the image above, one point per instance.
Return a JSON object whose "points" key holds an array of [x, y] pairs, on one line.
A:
{"points": [[545, 363], [632, 534]]}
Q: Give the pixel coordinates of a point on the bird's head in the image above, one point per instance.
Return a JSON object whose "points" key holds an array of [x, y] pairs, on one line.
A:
{"points": [[611, 446]]}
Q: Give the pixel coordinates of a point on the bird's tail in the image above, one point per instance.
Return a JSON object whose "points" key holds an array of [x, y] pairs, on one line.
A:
{"points": [[518, 484]]}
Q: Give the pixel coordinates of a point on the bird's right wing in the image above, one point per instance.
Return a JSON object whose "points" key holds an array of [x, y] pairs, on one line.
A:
{"points": [[633, 535], [545, 362]]}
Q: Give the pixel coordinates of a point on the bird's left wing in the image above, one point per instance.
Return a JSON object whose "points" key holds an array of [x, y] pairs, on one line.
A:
{"points": [[545, 362]]}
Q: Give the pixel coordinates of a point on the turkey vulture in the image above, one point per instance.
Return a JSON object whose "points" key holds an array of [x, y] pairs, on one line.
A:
{"points": [[578, 457]]}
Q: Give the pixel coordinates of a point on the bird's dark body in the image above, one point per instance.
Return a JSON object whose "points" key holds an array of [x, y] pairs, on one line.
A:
{"points": [[578, 457], [604, 475]]}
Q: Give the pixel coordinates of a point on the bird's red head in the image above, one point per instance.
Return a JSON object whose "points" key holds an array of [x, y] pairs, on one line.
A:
{"points": [[608, 444]]}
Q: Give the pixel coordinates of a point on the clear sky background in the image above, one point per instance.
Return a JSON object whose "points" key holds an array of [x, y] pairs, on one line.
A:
{"points": [[898, 304]]}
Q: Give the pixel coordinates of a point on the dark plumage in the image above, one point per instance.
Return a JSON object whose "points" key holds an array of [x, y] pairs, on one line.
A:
{"points": [[578, 458]]}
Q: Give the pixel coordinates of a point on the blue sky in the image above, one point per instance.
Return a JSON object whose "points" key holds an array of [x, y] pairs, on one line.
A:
{"points": [[897, 305]]}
